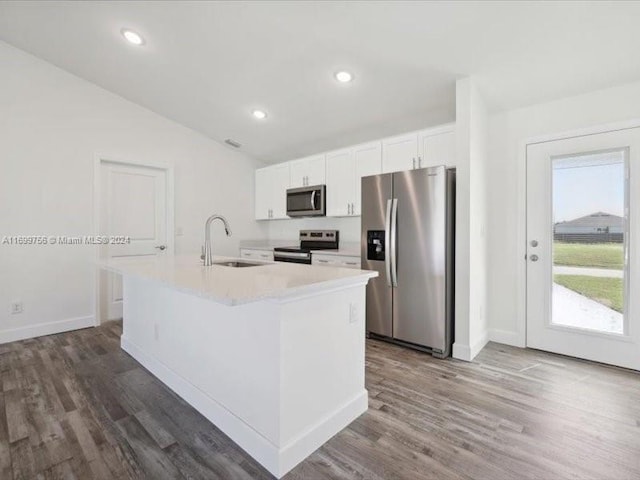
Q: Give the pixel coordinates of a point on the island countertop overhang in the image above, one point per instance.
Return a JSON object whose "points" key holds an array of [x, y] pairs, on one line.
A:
{"points": [[237, 286]]}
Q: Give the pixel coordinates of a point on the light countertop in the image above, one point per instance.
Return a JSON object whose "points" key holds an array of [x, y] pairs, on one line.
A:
{"points": [[236, 286]]}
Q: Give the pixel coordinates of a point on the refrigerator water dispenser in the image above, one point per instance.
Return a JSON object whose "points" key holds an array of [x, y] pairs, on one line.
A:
{"points": [[375, 245]]}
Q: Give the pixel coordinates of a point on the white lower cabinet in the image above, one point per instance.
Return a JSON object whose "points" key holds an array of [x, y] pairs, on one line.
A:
{"points": [[325, 260], [250, 254]]}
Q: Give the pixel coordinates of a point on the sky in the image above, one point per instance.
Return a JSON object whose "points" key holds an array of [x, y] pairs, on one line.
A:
{"points": [[580, 190]]}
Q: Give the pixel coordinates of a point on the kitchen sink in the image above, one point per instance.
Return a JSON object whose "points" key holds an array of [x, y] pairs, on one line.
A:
{"points": [[238, 264]]}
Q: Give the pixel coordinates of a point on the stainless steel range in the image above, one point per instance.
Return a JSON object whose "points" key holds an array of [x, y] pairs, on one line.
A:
{"points": [[309, 240]]}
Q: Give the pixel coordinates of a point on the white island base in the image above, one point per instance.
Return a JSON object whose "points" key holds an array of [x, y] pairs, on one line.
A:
{"points": [[279, 376]]}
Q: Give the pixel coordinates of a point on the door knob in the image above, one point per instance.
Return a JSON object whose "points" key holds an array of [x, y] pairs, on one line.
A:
{"points": [[161, 247], [534, 258], [534, 243]]}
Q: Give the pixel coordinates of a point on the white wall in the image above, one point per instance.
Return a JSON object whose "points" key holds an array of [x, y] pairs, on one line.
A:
{"points": [[506, 187], [51, 126], [471, 325], [288, 229]]}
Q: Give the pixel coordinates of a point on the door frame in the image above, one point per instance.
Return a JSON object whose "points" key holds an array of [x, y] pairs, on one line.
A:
{"points": [[98, 160], [520, 339]]}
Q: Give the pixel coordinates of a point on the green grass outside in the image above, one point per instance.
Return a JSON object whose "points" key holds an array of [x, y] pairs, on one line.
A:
{"points": [[595, 255], [605, 290]]}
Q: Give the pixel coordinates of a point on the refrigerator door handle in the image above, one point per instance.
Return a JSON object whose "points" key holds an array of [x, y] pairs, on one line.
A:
{"points": [[394, 236], [387, 242]]}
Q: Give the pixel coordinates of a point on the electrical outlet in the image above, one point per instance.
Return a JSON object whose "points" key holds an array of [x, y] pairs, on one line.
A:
{"points": [[16, 307], [353, 313], [179, 231]]}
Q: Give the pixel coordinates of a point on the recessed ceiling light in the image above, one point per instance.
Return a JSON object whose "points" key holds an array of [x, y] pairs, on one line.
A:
{"points": [[259, 114], [132, 37], [344, 77]]}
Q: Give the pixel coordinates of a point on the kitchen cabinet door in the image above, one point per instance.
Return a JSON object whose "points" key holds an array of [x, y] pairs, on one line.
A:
{"points": [[400, 153], [340, 183], [263, 193], [280, 183], [326, 260], [437, 149], [251, 254], [308, 171], [367, 159], [271, 192]]}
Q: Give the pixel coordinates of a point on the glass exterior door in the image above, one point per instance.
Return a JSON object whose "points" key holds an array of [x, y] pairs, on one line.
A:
{"points": [[581, 261]]}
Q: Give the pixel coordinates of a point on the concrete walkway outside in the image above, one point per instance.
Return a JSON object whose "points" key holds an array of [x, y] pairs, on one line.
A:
{"points": [[574, 310], [589, 272]]}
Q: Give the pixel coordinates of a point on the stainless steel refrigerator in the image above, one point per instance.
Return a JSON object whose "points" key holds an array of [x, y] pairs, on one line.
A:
{"points": [[408, 237]]}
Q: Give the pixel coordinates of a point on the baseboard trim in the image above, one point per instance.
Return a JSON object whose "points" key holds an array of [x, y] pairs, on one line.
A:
{"points": [[477, 347], [468, 353], [277, 461], [42, 329], [461, 352], [506, 337]]}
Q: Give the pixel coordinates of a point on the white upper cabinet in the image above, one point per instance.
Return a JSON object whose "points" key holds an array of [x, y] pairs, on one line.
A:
{"points": [[345, 168], [400, 153], [263, 194], [437, 147], [271, 192], [368, 161], [342, 170], [308, 171], [341, 179], [426, 148]]}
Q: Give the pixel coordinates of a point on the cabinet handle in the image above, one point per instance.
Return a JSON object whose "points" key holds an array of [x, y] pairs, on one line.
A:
{"points": [[323, 261], [419, 162], [348, 209], [265, 255], [247, 254], [350, 263], [414, 163], [353, 209]]}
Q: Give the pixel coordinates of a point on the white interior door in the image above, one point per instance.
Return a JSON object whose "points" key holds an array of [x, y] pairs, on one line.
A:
{"points": [[134, 215], [583, 253]]}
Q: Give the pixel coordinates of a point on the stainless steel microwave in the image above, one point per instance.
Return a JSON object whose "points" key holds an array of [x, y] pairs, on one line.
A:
{"points": [[307, 201]]}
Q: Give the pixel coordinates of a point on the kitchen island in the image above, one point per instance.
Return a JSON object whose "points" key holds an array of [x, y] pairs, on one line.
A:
{"points": [[272, 354]]}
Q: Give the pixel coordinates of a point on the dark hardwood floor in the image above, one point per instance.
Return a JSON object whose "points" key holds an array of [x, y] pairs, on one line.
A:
{"points": [[76, 406]]}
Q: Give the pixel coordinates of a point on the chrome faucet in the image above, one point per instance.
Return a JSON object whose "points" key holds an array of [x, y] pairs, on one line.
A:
{"points": [[208, 255]]}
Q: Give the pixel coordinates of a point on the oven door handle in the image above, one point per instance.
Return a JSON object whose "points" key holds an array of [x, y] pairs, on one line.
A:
{"points": [[291, 255]]}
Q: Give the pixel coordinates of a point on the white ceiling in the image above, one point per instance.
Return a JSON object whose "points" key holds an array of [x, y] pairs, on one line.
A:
{"points": [[207, 65]]}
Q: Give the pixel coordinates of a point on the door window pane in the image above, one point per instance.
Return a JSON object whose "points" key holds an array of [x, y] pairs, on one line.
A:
{"points": [[589, 225]]}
